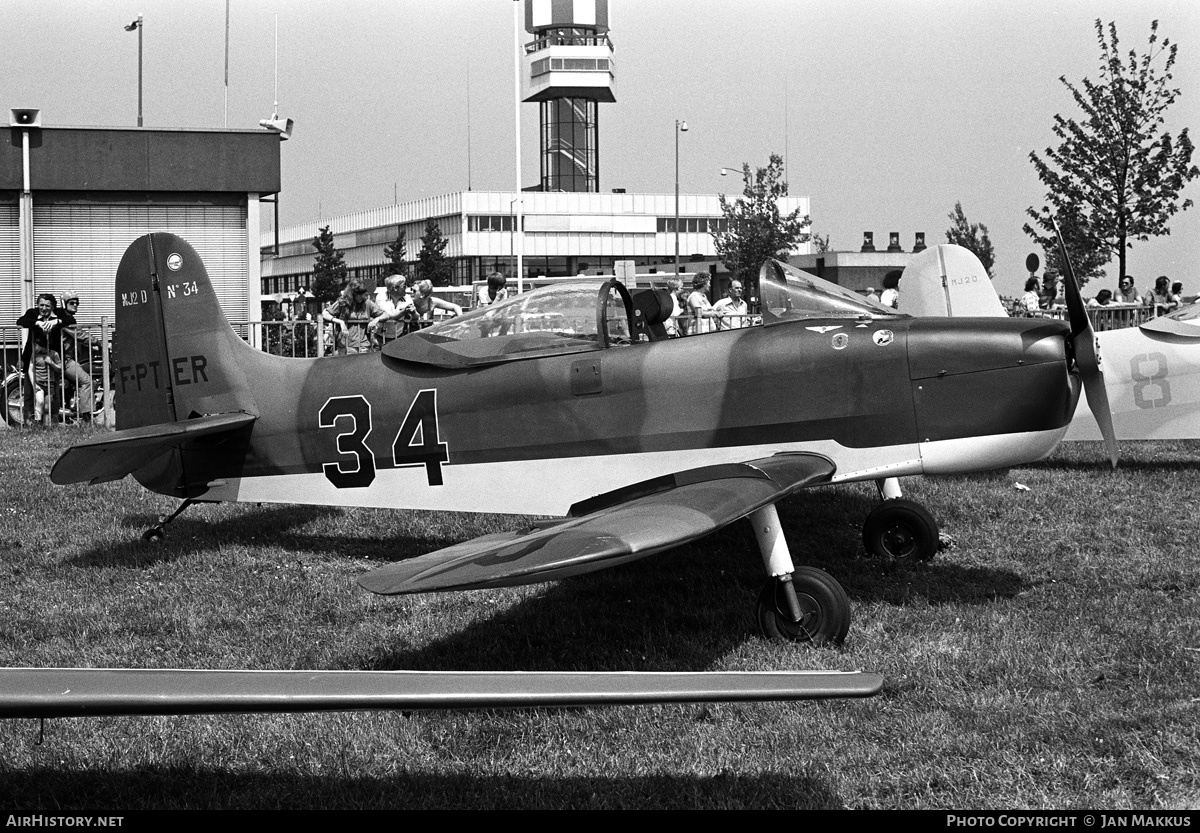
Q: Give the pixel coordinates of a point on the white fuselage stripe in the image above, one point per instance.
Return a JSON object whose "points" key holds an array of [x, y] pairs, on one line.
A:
{"points": [[551, 486]]}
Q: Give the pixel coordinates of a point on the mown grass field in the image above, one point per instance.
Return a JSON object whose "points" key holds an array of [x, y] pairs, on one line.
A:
{"points": [[1048, 660]]}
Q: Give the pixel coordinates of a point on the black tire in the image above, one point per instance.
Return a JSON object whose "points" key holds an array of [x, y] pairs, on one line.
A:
{"points": [[902, 530], [14, 402], [154, 535], [823, 603]]}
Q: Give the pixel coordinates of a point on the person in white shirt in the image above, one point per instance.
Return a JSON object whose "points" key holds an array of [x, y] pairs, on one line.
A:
{"points": [[732, 309], [395, 303], [699, 309]]}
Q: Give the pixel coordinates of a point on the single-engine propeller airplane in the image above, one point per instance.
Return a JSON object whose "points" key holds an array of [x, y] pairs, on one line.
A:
{"points": [[566, 401]]}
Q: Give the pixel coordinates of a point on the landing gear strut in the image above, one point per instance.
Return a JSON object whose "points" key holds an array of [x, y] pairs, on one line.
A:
{"points": [[156, 533], [802, 604]]}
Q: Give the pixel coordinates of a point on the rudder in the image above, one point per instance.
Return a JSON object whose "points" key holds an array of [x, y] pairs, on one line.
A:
{"points": [[176, 355]]}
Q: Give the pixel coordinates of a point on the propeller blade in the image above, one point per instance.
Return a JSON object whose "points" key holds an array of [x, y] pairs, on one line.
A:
{"points": [[1087, 352]]}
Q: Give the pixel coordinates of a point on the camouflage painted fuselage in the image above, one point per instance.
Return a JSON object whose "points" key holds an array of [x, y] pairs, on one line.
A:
{"points": [[879, 397]]}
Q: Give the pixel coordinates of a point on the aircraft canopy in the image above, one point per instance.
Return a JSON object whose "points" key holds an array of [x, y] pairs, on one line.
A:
{"points": [[553, 320], [787, 294]]}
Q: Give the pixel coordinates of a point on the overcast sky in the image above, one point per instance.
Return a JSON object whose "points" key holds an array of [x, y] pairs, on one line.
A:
{"points": [[888, 111]]}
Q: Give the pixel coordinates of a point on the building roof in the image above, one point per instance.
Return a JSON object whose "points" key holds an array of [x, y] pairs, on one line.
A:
{"points": [[139, 159]]}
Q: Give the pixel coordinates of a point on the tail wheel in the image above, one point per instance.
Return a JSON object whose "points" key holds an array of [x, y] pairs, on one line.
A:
{"points": [[824, 609], [901, 529]]}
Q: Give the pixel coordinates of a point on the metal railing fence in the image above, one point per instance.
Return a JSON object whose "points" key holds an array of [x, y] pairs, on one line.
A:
{"points": [[65, 379]]}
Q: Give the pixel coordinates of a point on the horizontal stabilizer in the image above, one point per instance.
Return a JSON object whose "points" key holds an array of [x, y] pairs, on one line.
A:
{"points": [[621, 526], [112, 456], [89, 692]]}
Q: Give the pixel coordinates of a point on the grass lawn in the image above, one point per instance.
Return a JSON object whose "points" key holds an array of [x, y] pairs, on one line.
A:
{"points": [[1049, 659]]}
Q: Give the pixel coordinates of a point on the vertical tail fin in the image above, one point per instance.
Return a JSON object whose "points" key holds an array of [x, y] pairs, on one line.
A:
{"points": [[177, 358], [176, 355], [948, 281]]}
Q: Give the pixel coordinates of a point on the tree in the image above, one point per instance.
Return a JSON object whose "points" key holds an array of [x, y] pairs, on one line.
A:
{"points": [[431, 260], [329, 271], [820, 244], [1087, 258], [1117, 173], [395, 252], [972, 236], [755, 230]]}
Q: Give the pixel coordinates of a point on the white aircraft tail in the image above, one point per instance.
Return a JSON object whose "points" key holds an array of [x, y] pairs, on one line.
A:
{"points": [[948, 281]]}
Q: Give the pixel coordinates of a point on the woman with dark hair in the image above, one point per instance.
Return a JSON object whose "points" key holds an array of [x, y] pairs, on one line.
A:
{"points": [[352, 313], [1103, 298], [1162, 295]]}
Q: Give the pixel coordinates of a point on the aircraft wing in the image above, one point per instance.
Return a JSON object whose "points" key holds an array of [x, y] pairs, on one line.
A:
{"points": [[610, 529], [112, 456], [90, 692]]}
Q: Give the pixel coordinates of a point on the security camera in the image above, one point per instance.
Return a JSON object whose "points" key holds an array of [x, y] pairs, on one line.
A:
{"points": [[281, 126], [24, 117]]}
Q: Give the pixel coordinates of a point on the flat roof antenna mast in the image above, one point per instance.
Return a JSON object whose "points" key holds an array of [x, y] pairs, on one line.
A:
{"points": [[275, 106], [275, 124]]}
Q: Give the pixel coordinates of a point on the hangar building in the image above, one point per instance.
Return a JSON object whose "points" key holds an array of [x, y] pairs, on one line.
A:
{"points": [[72, 199]]}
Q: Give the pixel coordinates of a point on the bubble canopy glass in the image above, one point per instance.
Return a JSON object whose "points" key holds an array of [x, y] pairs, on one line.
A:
{"points": [[787, 293], [574, 317]]}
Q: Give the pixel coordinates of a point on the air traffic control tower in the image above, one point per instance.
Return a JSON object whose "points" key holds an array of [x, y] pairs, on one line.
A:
{"points": [[568, 70]]}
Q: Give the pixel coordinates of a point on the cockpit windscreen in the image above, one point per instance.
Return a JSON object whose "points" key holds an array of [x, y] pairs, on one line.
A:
{"points": [[787, 293], [548, 321]]}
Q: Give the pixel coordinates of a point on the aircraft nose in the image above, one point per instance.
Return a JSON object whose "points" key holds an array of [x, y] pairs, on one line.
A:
{"points": [[1004, 387]]}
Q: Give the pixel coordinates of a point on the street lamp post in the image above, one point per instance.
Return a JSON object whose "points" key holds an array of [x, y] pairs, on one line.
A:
{"points": [[736, 260], [680, 127], [137, 24]]}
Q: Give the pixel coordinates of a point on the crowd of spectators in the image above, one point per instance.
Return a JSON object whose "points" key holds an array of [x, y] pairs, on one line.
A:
{"points": [[1045, 295]]}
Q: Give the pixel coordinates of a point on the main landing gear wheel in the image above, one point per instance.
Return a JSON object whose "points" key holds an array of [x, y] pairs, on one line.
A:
{"points": [[824, 608], [901, 529], [154, 535]]}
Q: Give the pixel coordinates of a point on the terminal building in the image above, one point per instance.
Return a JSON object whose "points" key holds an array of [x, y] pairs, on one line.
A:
{"points": [[565, 234]]}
